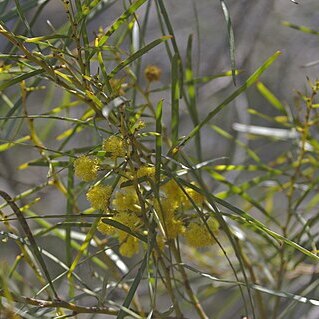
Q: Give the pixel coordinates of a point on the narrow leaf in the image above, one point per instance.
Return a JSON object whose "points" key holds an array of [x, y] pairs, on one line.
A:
{"points": [[231, 38], [6, 146], [28, 233], [20, 78], [251, 80], [270, 97], [137, 55], [175, 92], [130, 11]]}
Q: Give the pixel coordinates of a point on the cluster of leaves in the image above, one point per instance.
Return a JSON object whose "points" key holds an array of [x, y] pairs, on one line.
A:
{"points": [[144, 189]]}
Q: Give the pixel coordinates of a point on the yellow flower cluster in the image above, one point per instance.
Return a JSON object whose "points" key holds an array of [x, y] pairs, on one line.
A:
{"points": [[106, 229], [173, 228], [129, 245], [86, 168], [176, 200], [178, 195], [170, 209], [130, 220], [135, 195], [99, 196], [144, 170], [166, 211], [115, 146], [197, 235], [126, 200]]}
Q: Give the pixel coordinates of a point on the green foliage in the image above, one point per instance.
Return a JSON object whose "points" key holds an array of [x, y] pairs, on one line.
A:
{"points": [[159, 226]]}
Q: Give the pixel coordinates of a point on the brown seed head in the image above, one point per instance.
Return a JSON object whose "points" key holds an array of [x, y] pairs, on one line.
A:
{"points": [[152, 73]]}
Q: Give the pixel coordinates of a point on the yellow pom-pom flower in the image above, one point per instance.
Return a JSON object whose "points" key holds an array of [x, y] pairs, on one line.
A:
{"points": [[129, 246], [126, 200], [146, 171], [165, 209], [172, 190], [197, 235], [86, 168], [160, 241], [174, 193], [173, 227], [115, 146], [182, 196], [127, 219], [105, 229], [196, 197], [99, 196]]}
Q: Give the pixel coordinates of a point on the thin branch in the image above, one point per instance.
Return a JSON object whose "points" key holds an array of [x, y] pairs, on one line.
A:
{"points": [[59, 304]]}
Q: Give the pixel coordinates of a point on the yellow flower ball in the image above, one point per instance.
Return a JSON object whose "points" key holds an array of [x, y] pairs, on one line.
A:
{"points": [[173, 227], [174, 192], [165, 208], [144, 170], [130, 246], [115, 146], [86, 167], [160, 241], [196, 197], [105, 229], [126, 200], [197, 235], [99, 196], [127, 219]]}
